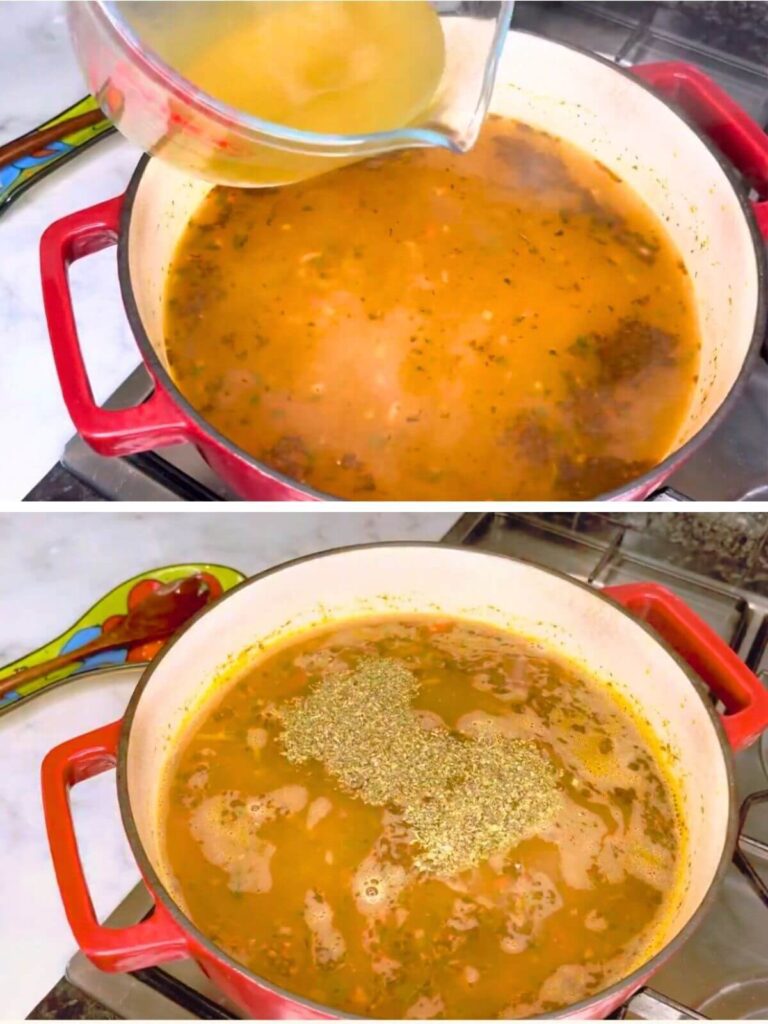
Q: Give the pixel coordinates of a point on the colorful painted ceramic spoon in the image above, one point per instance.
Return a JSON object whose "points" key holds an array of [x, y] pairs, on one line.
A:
{"points": [[160, 614]]}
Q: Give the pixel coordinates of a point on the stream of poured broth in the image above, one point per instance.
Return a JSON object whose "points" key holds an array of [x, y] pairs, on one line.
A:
{"points": [[310, 887], [512, 323]]}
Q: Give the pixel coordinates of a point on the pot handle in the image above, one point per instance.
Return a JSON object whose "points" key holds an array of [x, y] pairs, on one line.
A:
{"points": [[155, 422], [744, 696], [741, 139], [157, 938]]}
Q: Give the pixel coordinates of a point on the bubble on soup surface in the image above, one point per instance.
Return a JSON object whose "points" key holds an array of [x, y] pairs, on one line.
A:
{"points": [[228, 839], [526, 725], [328, 945], [386, 966], [289, 799], [257, 738], [463, 916], [579, 835], [226, 826], [198, 779], [530, 899], [428, 719], [377, 884], [425, 1008], [317, 810], [567, 984]]}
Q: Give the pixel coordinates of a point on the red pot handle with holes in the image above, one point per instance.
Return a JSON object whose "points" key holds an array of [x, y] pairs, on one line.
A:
{"points": [[156, 939], [726, 675], [152, 424], [739, 137]]}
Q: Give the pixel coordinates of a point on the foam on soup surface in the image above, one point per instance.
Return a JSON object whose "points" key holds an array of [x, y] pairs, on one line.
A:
{"points": [[284, 851], [512, 323]]}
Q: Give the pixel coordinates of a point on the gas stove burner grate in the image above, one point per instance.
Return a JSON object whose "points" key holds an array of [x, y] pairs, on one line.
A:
{"points": [[608, 549], [729, 549], [754, 846]]}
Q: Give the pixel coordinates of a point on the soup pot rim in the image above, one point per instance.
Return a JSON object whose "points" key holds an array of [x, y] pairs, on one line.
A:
{"points": [[647, 479], [185, 923]]}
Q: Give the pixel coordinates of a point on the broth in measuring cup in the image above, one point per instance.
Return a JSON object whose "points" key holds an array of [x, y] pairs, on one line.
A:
{"points": [[334, 67]]}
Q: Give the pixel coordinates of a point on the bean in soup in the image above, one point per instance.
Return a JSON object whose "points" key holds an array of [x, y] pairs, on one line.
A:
{"points": [[312, 830], [512, 323]]}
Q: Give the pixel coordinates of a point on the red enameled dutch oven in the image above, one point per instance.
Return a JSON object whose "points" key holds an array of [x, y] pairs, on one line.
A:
{"points": [[640, 637], [670, 153]]}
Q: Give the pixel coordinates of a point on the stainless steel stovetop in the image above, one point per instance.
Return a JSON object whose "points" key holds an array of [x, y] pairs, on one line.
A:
{"points": [[719, 566], [729, 41]]}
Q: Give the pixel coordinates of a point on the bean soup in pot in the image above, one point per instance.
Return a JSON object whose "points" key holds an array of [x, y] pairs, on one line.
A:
{"points": [[511, 323], [424, 817]]}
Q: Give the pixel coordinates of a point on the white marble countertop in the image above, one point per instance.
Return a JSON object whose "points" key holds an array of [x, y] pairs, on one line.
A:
{"points": [[39, 78], [55, 565]]}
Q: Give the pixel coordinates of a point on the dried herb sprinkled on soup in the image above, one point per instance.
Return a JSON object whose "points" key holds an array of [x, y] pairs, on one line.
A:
{"points": [[419, 817], [510, 323]]}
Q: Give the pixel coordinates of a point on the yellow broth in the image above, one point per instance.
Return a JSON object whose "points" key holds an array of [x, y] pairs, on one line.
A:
{"points": [[331, 66], [315, 890], [335, 66], [510, 323]]}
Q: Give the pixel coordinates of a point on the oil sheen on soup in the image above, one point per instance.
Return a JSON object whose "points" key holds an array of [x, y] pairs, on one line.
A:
{"points": [[419, 818], [509, 323]]}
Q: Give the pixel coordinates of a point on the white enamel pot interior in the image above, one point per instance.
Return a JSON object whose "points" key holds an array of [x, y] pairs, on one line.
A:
{"points": [[570, 618], [605, 112]]}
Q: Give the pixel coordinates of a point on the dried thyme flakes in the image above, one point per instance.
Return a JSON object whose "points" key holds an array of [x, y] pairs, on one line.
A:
{"points": [[463, 798]]}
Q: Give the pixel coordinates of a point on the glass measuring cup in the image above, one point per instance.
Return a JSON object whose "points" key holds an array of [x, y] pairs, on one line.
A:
{"points": [[165, 114]]}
